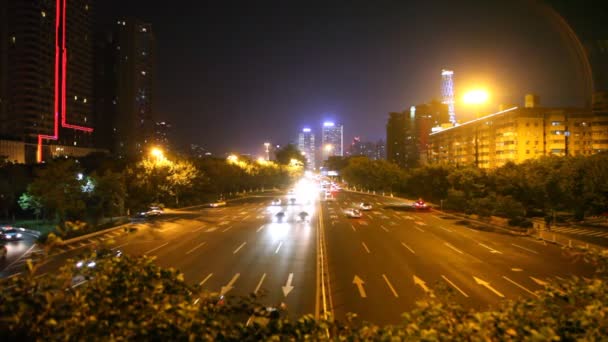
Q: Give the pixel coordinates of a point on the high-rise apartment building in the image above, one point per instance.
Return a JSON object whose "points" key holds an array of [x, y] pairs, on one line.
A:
{"points": [[396, 135], [306, 145], [332, 140], [125, 77], [518, 134], [369, 149], [162, 133], [46, 76]]}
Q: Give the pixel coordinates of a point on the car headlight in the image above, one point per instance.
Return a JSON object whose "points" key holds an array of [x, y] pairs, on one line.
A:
{"points": [[79, 264], [91, 264], [18, 235]]}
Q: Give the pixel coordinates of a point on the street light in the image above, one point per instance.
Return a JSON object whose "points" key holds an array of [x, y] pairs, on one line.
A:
{"points": [[233, 158], [157, 153]]}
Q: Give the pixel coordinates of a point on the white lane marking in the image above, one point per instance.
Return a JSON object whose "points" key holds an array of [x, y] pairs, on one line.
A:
{"points": [[365, 246], [454, 248], [117, 247], [420, 223], [198, 229], [454, 285], [227, 229], [525, 249], [230, 285], [521, 286], [206, 278], [408, 217], [279, 247], [492, 250], [408, 247], [488, 286], [244, 218], [212, 229], [390, 286], [353, 227], [444, 228], [363, 223], [359, 283], [437, 217], [239, 248], [392, 223], [261, 227], [257, 288], [420, 229], [516, 269], [195, 248], [155, 248], [385, 229], [287, 288]]}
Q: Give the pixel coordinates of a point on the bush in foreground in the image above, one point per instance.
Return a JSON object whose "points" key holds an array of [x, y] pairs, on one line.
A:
{"points": [[132, 298]]}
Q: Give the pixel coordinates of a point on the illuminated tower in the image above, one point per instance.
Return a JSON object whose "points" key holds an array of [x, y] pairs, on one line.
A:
{"points": [[332, 140], [306, 144], [447, 92]]}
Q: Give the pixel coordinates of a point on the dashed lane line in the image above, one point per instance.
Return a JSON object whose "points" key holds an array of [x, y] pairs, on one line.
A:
{"points": [[525, 249], [195, 248], [408, 247], [239, 248], [454, 286], [365, 246], [520, 286], [454, 248], [390, 286], [156, 248]]}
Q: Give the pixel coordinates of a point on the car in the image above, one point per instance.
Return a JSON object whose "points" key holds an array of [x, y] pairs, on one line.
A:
{"points": [[420, 205], [217, 204], [10, 234], [353, 213], [276, 201], [365, 206], [292, 200], [279, 217], [155, 211], [303, 215], [89, 262]]}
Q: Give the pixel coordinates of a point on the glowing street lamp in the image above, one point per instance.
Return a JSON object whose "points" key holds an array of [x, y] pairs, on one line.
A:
{"points": [[157, 153], [476, 97]]}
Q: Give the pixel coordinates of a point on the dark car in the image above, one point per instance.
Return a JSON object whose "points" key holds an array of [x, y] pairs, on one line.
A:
{"points": [[279, 217], [421, 205], [89, 262], [10, 234]]}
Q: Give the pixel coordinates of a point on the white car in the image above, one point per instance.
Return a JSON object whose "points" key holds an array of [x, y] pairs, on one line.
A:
{"points": [[353, 213], [276, 201], [365, 206], [217, 204]]}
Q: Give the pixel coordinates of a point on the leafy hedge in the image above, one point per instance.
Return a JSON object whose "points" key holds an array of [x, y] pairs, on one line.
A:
{"points": [[130, 298]]}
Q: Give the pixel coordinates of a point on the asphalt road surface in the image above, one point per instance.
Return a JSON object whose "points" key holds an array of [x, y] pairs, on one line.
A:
{"points": [[376, 266]]}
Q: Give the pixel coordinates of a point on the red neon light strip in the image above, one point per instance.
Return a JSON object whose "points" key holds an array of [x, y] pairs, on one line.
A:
{"points": [[60, 8]]}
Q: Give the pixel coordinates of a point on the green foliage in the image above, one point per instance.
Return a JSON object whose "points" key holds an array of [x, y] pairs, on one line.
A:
{"points": [[289, 152], [130, 298], [30, 203]]}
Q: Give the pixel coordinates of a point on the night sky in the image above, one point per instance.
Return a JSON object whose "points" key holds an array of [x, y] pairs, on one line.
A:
{"points": [[232, 75]]}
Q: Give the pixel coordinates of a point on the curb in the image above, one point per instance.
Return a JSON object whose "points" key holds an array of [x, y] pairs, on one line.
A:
{"points": [[94, 234]]}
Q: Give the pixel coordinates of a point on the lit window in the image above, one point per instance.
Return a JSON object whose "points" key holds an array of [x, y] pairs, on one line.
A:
{"points": [[143, 73], [43, 14], [84, 100], [74, 143], [75, 98], [13, 39], [86, 7], [85, 119]]}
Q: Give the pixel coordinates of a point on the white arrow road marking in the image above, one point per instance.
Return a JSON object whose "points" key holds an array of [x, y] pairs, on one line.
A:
{"points": [[492, 250], [155, 248], [390, 286], [365, 246], [287, 288], [359, 283], [525, 249], [257, 288], [279, 247], [239, 248], [230, 285], [385, 229], [422, 284], [193, 249], [206, 278], [487, 285], [261, 227], [539, 282], [454, 248], [420, 229], [520, 286], [454, 285], [408, 247]]}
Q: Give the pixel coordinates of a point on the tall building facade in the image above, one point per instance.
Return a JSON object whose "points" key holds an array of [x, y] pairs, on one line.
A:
{"points": [[306, 145], [518, 134], [423, 119], [46, 75], [447, 93], [125, 75], [332, 140], [396, 134], [162, 135], [369, 149]]}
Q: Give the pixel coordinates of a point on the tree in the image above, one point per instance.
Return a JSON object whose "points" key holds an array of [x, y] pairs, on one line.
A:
{"points": [[286, 154], [108, 192], [58, 187], [29, 202], [180, 177]]}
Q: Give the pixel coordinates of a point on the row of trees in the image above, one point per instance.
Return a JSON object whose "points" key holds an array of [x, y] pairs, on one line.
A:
{"points": [[95, 187], [535, 187]]}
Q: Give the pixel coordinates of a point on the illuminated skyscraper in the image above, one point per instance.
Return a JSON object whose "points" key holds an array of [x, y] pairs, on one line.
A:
{"points": [[447, 92], [306, 144], [332, 140]]}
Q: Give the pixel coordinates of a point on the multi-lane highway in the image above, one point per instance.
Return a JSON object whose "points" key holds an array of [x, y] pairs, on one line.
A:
{"points": [[376, 266]]}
